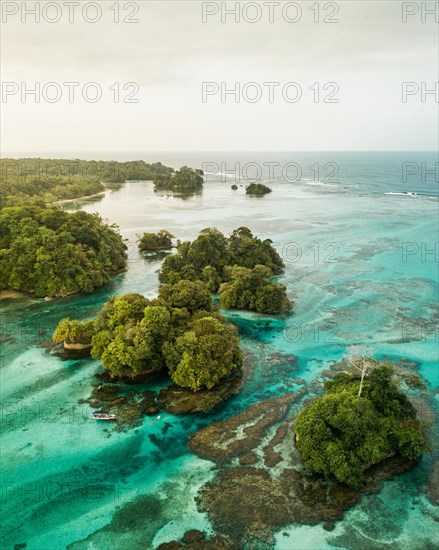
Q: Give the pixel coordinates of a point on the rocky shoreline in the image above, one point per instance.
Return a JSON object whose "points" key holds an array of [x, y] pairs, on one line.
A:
{"points": [[263, 485], [131, 401]]}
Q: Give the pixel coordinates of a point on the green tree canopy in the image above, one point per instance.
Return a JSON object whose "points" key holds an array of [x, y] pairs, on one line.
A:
{"points": [[251, 289], [205, 354], [130, 331], [192, 295], [48, 252], [209, 259], [341, 434], [185, 179], [73, 332], [156, 241], [37, 181]]}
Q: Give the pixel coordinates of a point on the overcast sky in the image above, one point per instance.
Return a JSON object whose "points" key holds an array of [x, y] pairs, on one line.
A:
{"points": [[170, 52]]}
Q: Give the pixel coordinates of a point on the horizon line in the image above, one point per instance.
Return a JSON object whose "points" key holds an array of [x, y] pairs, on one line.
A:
{"points": [[71, 151]]}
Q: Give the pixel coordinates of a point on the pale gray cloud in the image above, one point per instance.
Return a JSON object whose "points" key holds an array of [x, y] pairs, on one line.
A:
{"points": [[170, 52]]}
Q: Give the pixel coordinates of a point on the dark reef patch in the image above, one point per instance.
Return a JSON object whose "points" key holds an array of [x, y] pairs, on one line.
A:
{"points": [[177, 400], [239, 434], [269, 488]]}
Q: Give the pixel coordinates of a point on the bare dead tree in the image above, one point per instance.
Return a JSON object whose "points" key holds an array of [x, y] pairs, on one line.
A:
{"points": [[359, 359]]}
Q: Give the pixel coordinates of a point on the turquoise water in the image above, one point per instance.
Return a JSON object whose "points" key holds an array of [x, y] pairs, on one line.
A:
{"points": [[360, 270]]}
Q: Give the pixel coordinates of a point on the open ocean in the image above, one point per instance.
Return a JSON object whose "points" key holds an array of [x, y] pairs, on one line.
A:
{"points": [[359, 236]]}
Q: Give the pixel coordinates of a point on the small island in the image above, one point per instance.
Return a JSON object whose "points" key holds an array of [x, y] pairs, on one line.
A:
{"points": [[239, 267], [49, 252], [74, 335], [257, 189], [362, 420], [181, 333], [154, 242], [38, 181], [303, 458], [185, 179]]}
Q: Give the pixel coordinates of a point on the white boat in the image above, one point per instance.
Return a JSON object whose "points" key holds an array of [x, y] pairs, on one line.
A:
{"points": [[103, 416]]}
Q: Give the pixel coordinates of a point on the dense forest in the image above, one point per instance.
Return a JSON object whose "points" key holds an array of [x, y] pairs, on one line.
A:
{"points": [[239, 267], [185, 179], [150, 242], [179, 332], [358, 424], [49, 252], [36, 180]]}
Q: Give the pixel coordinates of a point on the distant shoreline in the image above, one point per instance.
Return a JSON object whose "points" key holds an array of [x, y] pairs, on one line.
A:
{"points": [[63, 201], [4, 294]]}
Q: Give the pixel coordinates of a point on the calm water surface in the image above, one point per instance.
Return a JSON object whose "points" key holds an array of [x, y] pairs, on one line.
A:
{"points": [[361, 268]]}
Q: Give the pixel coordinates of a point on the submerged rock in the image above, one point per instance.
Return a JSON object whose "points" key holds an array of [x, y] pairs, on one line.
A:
{"points": [[69, 351], [250, 502], [129, 405], [432, 487], [177, 400], [245, 503], [195, 540], [239, 434], [248, 459], [194, 535]]}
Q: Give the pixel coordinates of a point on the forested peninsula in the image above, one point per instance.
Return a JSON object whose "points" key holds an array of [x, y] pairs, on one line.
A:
{"points": [[37, 180], [47, 252]]}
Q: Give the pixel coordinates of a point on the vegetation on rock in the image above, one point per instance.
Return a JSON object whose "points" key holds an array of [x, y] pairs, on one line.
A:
{"points": [[150, 242], [74, 332], [205, 354], [39, 181], [180, 331], [48, 252], [257, 189], [342, 434], [251, 289], [134, 336], [185, 179], [215, 260], [192, 295]]}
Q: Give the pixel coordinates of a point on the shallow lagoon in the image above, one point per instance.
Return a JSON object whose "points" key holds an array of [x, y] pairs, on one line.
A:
{"points": [[65, 475]]}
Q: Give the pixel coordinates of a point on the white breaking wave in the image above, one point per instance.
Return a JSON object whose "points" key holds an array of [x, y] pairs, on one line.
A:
{"points": [[405, 194]]}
